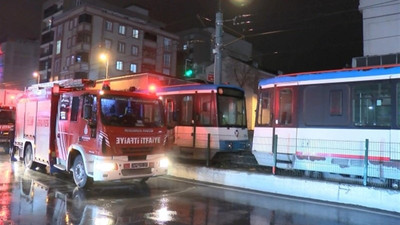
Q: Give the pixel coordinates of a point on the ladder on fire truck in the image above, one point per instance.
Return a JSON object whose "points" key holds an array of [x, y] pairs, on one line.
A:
{"points": [[67, 83]]}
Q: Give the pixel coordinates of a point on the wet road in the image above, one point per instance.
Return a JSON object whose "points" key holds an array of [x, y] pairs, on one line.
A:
{"points": [[33, 197]]}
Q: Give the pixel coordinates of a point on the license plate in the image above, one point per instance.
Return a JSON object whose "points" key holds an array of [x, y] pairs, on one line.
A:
{"points": [[139, 165]]}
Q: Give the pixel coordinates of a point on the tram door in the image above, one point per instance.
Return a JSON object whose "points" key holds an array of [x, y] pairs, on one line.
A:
{"points": [[284, 123], [170, 119], [180, 117]]}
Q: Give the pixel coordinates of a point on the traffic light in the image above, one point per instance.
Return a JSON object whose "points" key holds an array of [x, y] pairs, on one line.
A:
{"points": [[188, 72], [188, 68]]}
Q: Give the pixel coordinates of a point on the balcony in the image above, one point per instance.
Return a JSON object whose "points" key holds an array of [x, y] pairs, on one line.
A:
{"points": [[82, 47], [50, 11], [80, 67], [47, 37], [84, 27]]}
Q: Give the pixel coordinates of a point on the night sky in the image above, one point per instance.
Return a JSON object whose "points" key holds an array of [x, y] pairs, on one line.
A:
{"points": [[289, 35]]}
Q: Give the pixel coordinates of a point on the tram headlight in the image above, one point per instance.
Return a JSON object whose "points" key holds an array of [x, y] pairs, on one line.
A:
{"points": [[230, 145]]}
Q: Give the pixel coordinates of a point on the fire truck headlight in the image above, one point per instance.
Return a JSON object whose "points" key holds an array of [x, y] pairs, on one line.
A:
{"points": [[106, 166], [164, 162]]}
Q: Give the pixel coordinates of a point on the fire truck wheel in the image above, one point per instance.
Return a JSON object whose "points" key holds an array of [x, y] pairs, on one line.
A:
{"points": [[81, 178], [28, 158]]}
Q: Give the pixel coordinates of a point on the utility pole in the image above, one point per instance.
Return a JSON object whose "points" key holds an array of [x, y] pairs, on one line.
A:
{"points": [[218, 45]]}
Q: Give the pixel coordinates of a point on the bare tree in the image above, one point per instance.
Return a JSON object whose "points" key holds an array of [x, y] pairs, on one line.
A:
{"points": [[243, 74]]}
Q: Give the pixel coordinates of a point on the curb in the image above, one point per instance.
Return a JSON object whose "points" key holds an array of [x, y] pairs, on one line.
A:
{"points": [[370, 197]]}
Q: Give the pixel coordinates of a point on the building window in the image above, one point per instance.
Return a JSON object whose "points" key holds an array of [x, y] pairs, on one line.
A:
{"points": [[71, 24], [59, 31], [82, 57], [58, 47], [133, 68], [167, 60], [149, 52], [107, 43], [166, 71], [69, 43], [121, 47], [135, 50], [135, 33], [167, 44], [74, 40], [121, 29], [108, 25], [83, 38], [57, 67], [119, 65], [68, 61]]}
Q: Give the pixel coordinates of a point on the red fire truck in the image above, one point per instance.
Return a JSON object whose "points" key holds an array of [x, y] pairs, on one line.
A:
{"points": [[7, 117], [98, 135]]}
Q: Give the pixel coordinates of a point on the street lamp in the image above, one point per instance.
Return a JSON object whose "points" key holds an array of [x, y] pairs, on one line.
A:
{"points": [[37, 76], [104, 57]]}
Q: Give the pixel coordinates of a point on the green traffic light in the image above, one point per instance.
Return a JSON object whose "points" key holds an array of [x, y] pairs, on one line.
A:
{"points": [[188, 73]]}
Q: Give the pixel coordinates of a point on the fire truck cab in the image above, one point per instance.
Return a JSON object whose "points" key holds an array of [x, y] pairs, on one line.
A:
{"points": [[98, 135], [7, 118]]}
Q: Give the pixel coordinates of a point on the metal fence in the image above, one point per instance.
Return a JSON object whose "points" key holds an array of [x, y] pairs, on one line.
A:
{"points": [[375, 163]]}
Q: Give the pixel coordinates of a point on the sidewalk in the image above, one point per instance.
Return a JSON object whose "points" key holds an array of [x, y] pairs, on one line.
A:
{"points": [[371, 197]]}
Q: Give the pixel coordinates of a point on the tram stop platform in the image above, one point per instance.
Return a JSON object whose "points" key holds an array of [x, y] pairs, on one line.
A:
{"points": [[356, 195]]}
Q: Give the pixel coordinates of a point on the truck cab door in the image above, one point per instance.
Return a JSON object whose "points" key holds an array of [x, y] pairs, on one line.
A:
{"points": [[87, 123], [64, 132]]}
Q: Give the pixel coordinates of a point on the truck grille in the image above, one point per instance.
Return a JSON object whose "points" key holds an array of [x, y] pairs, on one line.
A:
{"points": [[4, 133], [137, 151]]}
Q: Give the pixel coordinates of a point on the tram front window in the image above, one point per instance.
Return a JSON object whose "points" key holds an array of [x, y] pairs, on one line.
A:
{"points": [[231, 111]]}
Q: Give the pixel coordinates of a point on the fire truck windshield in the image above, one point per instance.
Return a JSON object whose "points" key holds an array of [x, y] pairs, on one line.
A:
{"points": [[6, 116], [131, 112]]}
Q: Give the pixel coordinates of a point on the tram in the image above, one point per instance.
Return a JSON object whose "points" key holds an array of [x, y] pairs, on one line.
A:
{"points": [[344, 122], [204, 119]]}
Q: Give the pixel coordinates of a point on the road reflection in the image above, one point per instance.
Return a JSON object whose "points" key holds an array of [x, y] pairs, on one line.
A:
{"points": [[5, 195], [34, 197]]}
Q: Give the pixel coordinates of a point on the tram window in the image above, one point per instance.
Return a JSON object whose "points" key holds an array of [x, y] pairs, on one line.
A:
{"points": [[326, 105], [204, 109], [187, 110], [231, 111], [398, 104], [171, 112], [372, 104], [264, 109], [285, 106]]}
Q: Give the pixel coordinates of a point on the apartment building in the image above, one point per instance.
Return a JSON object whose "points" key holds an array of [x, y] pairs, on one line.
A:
{"points": [[18, 58], [381, 33], [77, 32]]}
